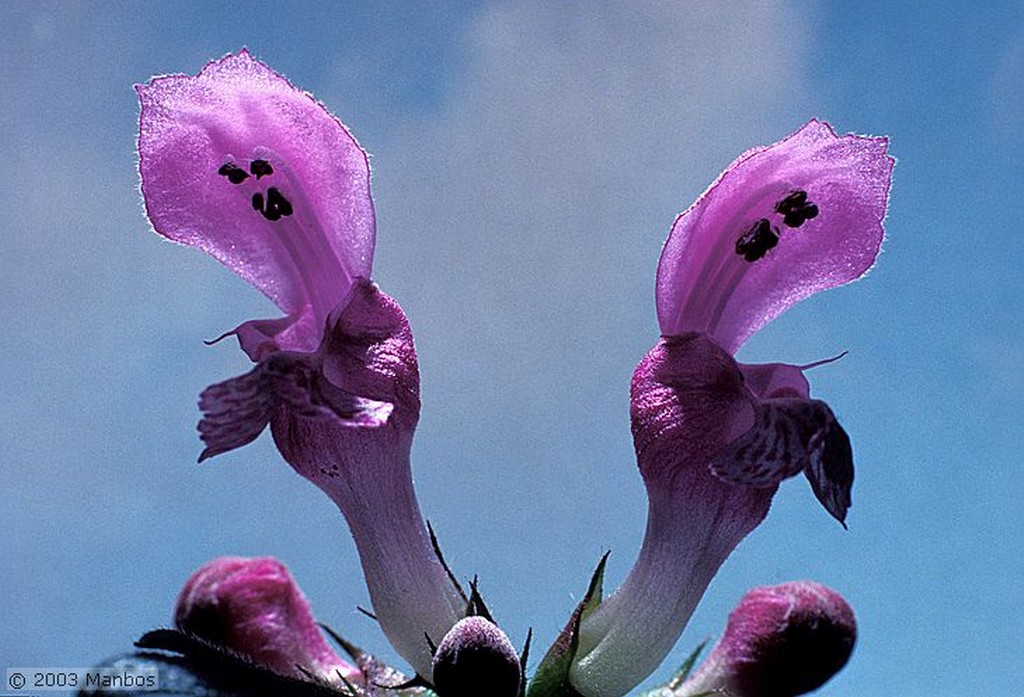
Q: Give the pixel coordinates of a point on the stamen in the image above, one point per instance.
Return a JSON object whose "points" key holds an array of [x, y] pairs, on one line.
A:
{"points": [[296, 224], [234, 173], [755, 242], [794, 201], [721, 277], [795, 209], [824, 361], [275, 207], [261, 168]]}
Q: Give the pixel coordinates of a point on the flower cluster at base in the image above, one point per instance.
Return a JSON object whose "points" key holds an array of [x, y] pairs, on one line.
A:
{"points": [[241, 164], [241, 621]]}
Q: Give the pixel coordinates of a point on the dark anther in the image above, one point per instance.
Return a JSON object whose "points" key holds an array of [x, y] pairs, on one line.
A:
{"points": [[234, 173], [261, 168], [275, 206], [794, 201], [795, 209], [755, 242]]}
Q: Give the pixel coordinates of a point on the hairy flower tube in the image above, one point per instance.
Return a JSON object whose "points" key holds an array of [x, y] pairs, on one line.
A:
{"points": [[780, 641], [254, 608], [713, 437], [241, 164]]}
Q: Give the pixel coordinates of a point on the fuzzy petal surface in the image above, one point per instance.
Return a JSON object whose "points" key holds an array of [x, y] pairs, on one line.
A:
{"points": [[241, 164], [254, 608], [717, 274], [780, 641], [474, 657]]}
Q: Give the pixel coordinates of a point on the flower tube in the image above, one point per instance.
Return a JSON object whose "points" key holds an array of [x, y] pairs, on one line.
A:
{"points": [[713, 437], [780, 641], [241, 164], [254, 608]]}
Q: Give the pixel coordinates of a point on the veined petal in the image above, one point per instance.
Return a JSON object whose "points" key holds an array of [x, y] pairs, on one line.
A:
{"points": [[780, 224], [789, 436], [241, 164], [327, 385]]}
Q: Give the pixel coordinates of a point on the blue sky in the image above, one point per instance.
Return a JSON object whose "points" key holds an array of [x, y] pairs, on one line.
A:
{"points": [[528, 162]]}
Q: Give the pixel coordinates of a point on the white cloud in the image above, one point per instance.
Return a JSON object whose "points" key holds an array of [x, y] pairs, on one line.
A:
{"points": [[1006, 93], [520, 227], [526, 218]]}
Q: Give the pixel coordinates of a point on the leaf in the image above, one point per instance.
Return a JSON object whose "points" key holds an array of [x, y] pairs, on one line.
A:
{"points": [[552, 676], [381, 679], [684, 670], [669, 689]]}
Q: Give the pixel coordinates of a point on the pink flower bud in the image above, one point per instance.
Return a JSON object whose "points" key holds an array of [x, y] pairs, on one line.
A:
{"points": [[254, 608], [476, 658], [780, 641]]}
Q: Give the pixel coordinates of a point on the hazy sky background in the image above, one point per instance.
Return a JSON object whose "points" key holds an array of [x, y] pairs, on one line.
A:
{"points": [[529, 159]]}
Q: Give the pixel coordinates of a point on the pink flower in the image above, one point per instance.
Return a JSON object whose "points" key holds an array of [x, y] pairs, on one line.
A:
{"points": [[781, 641], [713, 437], [254, 608], [241, 164]]}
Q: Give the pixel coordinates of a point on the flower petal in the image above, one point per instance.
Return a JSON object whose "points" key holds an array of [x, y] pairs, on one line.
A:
{"points": [[780, 224], [241, 164], [767, 380], [687, 401], [789, 436], [236, 411], [365, 351]]}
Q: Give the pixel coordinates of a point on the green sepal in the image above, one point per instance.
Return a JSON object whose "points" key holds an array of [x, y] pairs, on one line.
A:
{"points": [[381, 679], [552, 676], [684, 670], [680, 676], [475, 606]]}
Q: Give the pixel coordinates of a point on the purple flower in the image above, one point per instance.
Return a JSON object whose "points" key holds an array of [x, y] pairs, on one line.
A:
{"points": [[238, 162], [714, 437], [254, 608], [780, 641]]}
